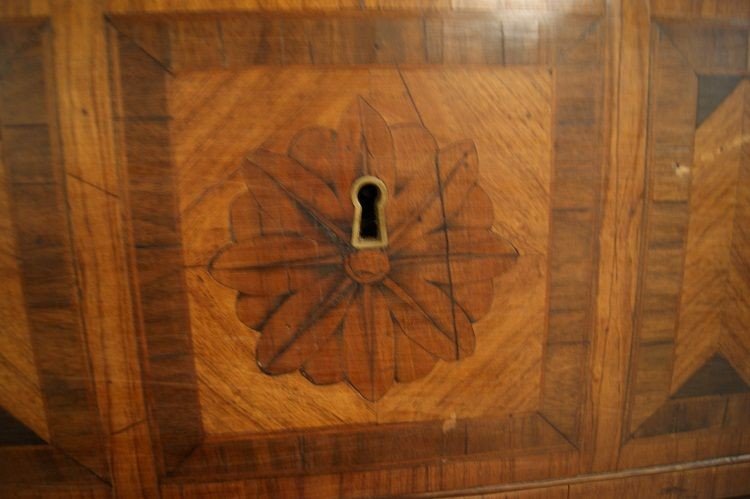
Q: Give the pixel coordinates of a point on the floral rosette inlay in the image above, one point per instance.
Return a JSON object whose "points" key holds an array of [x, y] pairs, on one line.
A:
{"points": [[368, 316]]}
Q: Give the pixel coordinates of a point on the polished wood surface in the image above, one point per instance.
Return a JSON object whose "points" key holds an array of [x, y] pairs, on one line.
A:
{"points": [[316, 248]]}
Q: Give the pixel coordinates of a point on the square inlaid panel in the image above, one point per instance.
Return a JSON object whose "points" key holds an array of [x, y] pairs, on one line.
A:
{"points": [[689, 393], [248, 197], [361, 240]]}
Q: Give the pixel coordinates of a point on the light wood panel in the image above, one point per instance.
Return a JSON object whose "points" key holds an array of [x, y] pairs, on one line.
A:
{"points": [[329, 93], [707, 313]]}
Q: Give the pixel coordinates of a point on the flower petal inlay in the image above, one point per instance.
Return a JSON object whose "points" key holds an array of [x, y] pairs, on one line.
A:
{"points": [[368, 343], [313, 197], [273, 264], [303, 324], [369, 317]]}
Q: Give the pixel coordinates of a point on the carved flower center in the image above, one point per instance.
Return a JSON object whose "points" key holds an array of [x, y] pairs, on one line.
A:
{"points": [[367, 266]]}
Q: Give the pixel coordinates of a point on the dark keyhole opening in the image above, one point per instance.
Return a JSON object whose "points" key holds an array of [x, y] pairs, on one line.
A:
{"points": [[368, 196]]}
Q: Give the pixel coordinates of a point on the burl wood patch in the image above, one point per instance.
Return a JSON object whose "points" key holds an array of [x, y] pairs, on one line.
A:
{"points": [[275, 341]]}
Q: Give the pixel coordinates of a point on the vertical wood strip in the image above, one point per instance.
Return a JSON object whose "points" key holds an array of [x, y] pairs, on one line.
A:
{"points": [[736, 314], [619, 239], [86, 133], [20, 393], [704, 296], [670, 155], [573, 225], [149, 188], [45, 253]]}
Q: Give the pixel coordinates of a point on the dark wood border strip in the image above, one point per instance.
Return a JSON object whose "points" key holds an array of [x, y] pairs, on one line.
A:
{"points": [[157, 259], [43, 239], [670, 140], [32, 465], [180, 42], [347, 449], [574, 225], [13, 432], [147, 49], [732, 12]]}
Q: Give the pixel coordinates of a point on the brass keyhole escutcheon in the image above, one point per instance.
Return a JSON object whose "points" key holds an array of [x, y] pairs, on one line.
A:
{"points": [[369, 196]]}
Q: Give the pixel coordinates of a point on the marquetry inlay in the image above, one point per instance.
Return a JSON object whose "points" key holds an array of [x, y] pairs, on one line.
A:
{"points": [[333, 308]]}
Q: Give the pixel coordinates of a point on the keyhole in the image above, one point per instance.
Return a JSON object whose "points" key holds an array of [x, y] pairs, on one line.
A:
{"points": [[369, 195]]}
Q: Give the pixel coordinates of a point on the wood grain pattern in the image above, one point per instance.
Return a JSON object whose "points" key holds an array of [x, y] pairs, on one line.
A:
{"points": [[43, 250], [702, 9], [175, 200], [232, 42], [682, 382], [31, 465], [24, 9], [705, 304], [394, 102], [18, 375], [321, 290], [619, 238], [728, 480], [591, 7], [670, 156], [574, 219], [83, 97], [158, 258]]}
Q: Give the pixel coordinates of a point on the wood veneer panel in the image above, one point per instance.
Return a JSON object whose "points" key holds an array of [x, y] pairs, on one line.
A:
{"points": [[683, 385], [44, 250], [165, 115], [182, 41], [508, 40]]}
